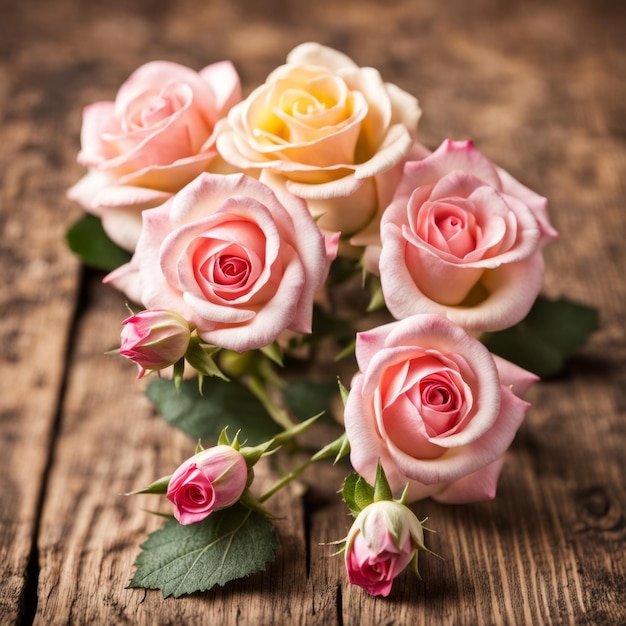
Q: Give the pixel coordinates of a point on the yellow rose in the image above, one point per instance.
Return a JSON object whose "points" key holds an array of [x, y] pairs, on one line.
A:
{"points": [[329, 131]]}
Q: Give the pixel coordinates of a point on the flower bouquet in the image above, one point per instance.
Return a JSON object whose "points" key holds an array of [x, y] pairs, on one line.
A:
{"points": [[254, 237]]}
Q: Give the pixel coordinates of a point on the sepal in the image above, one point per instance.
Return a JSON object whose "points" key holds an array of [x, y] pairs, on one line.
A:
{"points": [[251, 502], [252, 454], [157, 487], [382, 490], [338, 448], [357, 493], [200, 356], [274, 353]]}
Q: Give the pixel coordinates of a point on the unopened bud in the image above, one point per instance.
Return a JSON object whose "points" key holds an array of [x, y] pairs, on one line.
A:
{"points": [[210, 480], [382, 542], [154, 339]]}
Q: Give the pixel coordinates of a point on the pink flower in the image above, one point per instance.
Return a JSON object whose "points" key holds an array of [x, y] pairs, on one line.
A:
{"points": [[156, 137], [382, 542], [462, 238], [435, 407], [154, 339], [234, 260], [210, 480], [330, 131]]}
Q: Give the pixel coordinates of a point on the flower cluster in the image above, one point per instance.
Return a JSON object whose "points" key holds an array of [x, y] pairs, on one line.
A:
{"points": [[237, 211]]}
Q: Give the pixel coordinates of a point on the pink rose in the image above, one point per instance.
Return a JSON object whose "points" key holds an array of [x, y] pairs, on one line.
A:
{"points": [[463, 239], [156, 137], [235, 261], [435, 406], [210, 480], [382, 542], [154, 340], [334, 133]]}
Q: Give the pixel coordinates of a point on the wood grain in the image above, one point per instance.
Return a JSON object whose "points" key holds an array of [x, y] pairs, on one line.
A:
{"points": [[540, 88]]}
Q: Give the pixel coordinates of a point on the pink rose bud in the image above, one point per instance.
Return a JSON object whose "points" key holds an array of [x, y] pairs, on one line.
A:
{"points": [[154, 339], [383, 540], [210, 480]]}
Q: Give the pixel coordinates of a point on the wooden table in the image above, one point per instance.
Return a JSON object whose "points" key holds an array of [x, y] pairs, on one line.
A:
{"points": [[540, 87]]}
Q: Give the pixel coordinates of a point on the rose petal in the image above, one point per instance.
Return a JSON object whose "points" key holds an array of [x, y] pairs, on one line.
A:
{"points": [[475, 487], [224, 80], [459, 462]]}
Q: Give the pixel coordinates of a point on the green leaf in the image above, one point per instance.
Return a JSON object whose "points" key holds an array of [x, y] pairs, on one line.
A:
{"points": [[357, 493], [305, 397], [87, 239], [229, 544], [549, 335], [221, 404]]}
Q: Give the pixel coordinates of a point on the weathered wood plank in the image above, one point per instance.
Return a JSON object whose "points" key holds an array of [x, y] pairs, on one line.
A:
{"points": [[38, 286]]}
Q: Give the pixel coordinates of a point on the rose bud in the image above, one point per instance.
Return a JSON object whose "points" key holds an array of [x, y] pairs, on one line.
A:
{"points": [[383, 540], [210, 480], [154, 339]]}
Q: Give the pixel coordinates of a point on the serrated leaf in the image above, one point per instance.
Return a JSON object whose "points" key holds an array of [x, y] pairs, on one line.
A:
{"points": [[304, 398], [229, 544], [87, 239], [548, 336], [221, 404]]}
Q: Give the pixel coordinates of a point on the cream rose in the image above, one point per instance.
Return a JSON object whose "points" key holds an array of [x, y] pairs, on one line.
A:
{"points": [[155, 138], [238, 263], [463, 239], [435, 407], [333, 133]]}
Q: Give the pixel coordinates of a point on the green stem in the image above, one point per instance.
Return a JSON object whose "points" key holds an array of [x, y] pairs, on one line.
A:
{"points": [[337, 449], [276, 413], [285, 480], [270, 375]]}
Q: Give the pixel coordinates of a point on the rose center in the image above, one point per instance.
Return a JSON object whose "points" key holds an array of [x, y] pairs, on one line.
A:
{"points": [[437, 396], [449, 226], [195, 494], [149, 110], [231, 270]]}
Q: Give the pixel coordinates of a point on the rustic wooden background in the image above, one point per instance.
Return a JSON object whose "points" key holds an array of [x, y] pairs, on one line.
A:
{"points": [[540, 86]]}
